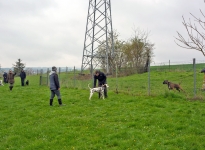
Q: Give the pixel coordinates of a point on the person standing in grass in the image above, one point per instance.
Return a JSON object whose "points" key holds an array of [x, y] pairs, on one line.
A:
{"points": [[23, 77], [54, 86], [10, 79], [5, 77], [102, 79]]}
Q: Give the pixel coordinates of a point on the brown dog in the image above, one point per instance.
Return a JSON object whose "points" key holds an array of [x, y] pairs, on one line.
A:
{"points": [[172, 86]]}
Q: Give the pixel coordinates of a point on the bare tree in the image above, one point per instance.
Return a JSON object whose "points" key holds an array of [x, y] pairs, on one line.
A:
{"points": [[139, 51], [29, 71], [196, 34], [130, 56]]}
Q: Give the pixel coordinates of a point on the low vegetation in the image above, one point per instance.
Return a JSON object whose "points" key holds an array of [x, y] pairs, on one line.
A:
{"points": [[128, 119]]}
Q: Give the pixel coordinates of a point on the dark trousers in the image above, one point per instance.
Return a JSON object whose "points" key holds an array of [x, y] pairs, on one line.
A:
{"points": [[57, 93], [5, 80], [105, 90], [22, 81]]}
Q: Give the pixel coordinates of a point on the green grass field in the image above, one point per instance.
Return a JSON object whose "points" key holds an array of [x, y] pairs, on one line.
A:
{"points": [[128, 120]]}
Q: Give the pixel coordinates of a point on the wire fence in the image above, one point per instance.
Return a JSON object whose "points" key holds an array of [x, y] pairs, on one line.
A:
{"points": [[187, 74]]}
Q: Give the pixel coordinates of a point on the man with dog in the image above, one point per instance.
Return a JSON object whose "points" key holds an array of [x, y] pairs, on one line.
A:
{"points": [[23, 77], [102, 79], [54, 86], [10, 79]]}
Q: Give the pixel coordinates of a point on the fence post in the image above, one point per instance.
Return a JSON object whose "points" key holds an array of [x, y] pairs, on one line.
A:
{"points": [[116, 79], [47, 75], [169, 65], [149, 76], [194, 68], [40, 73], [74, 76], [59, 72], [92, 74], [40, 80]]}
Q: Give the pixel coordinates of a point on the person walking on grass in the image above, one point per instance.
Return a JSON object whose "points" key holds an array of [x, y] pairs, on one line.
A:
{"points": [[54, 86], [10, 79], [23, 77]]}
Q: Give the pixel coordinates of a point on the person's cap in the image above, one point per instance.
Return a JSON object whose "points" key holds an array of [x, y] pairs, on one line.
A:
{"points": [[54, 68]]}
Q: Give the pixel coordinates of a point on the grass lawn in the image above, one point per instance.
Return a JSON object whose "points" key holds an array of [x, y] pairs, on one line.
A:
{"points": [[166, 120]]}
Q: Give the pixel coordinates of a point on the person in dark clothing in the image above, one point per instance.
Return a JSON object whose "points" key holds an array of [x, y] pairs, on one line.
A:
{"points": [[102, 79], [10, 79], [23, 77], [5, 77], [54, 86]]}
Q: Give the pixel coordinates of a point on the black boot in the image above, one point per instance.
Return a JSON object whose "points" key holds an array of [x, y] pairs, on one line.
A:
{"points": [[10, 87], [51, 102], [60, 102]]}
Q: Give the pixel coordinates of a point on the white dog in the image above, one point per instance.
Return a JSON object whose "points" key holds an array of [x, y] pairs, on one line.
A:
{"points": [[98, 90], [1, 83]]}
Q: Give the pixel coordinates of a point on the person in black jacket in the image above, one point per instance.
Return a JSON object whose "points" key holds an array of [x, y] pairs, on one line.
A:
{"points": [[102, 79], [23, 77], [54, 86], [5, 77]]}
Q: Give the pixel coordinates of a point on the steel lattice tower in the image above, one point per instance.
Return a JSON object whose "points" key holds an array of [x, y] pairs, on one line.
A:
{"points": [[98, 36]]}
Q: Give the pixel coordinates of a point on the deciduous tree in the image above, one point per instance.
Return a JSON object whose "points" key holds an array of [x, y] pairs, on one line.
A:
{"points": [[135, 53]]}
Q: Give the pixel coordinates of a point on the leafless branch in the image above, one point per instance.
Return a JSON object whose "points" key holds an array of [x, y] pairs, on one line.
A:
{"points": [[196, 37]]}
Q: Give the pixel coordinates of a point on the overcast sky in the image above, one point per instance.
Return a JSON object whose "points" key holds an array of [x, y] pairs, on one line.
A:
{"points": [[44, 33]]}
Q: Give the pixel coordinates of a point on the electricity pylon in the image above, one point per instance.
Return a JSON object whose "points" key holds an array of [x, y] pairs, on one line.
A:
{"points": [[98, 43]]}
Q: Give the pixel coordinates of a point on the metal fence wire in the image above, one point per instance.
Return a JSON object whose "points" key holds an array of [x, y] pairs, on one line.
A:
{"points": [[187, 74]]}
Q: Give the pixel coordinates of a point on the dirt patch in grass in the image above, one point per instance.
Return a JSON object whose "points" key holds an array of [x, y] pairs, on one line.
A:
{"points": [[196, 98], [83, 77]]}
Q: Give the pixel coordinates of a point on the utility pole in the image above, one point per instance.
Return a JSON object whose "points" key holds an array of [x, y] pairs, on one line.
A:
{"points": [[98, 36]]}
